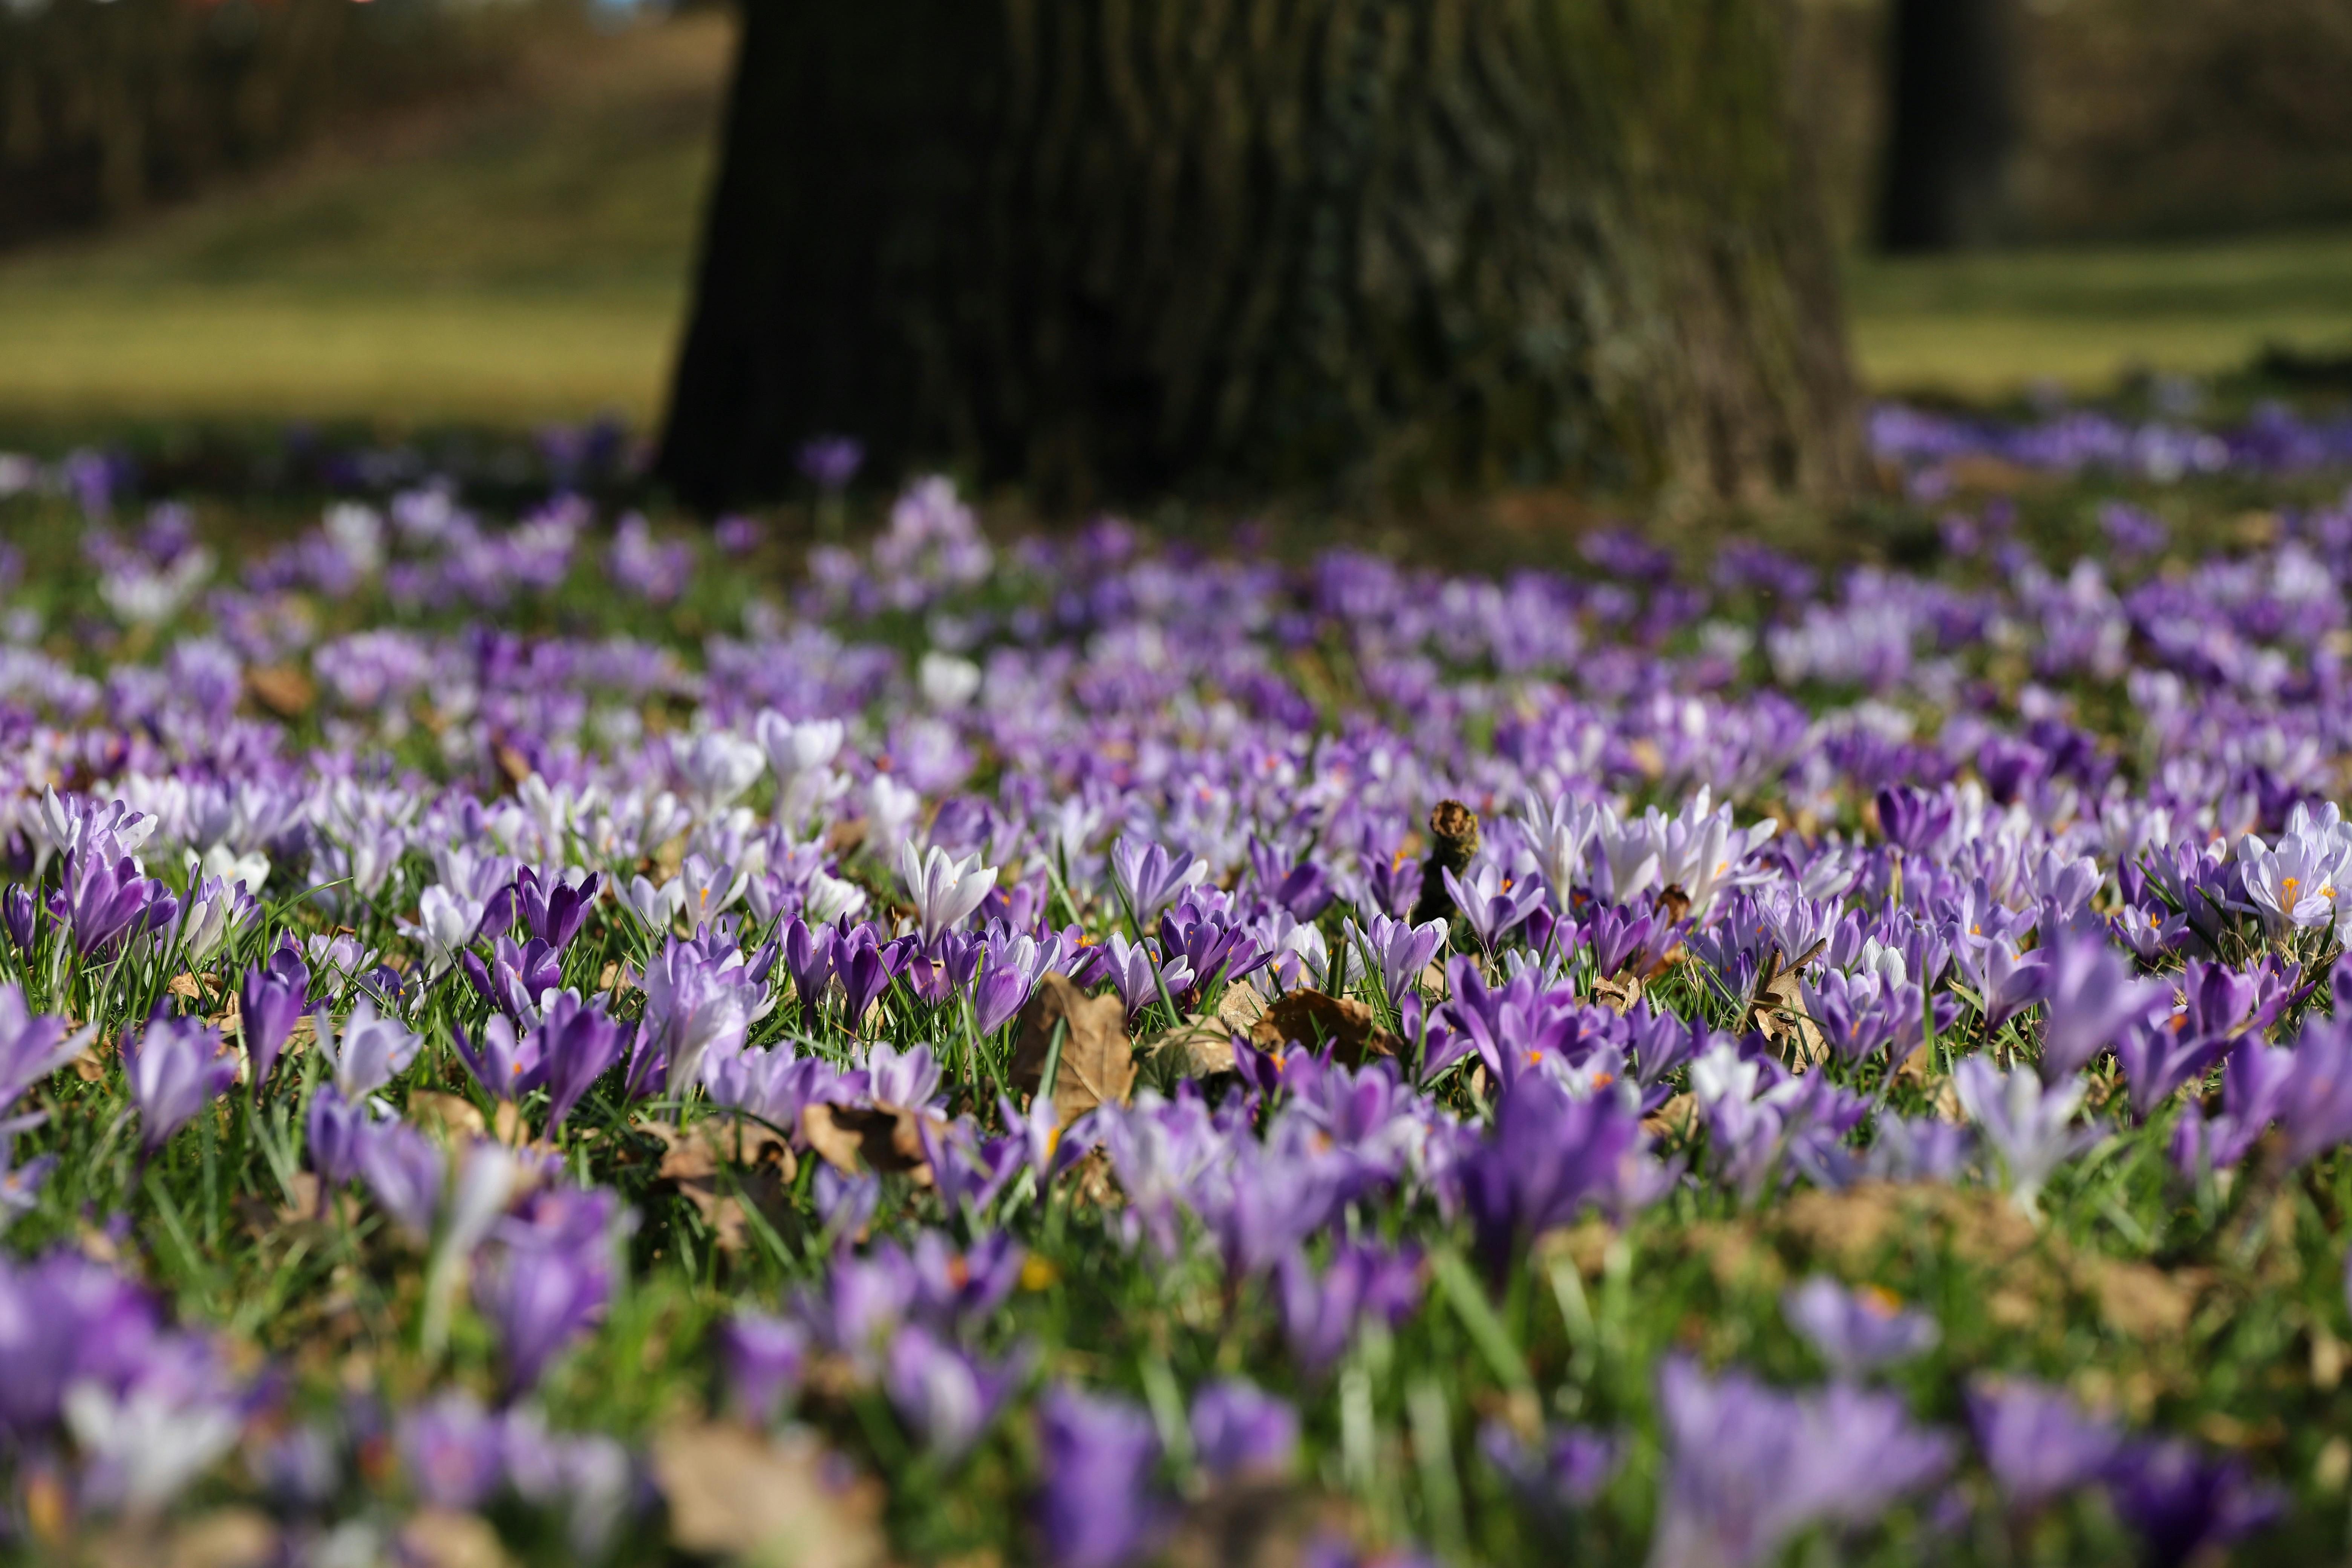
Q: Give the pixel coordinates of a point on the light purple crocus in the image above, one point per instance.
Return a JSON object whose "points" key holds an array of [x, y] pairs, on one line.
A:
{"points": [[1749, 1468], [1148, 878], [32, 1045], [765, 1357], [1097, 1506], [2029, 1125], [2038, 1443], [575, 1043], [270, 999], [1241, 1433], [175, 1068], [1855, 1331], [368, 1052], [947, 1394], [452, 1450], [1363, 1283], [1558, 1474], [2183, 1501], [2093, 998]]}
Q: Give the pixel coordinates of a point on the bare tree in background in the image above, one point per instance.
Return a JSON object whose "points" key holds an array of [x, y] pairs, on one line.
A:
{"points": [[1106, 249], [1950, 125]]}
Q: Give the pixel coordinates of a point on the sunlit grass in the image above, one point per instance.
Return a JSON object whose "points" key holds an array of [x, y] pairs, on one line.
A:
{"points": [[1993, 323]]}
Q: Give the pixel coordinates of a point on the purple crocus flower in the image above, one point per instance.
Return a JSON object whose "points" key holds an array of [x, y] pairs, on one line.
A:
{"points": [[575, 1044], [903, 1080], [967, 1169], [1400, 951], [946, 1394], [764, 1356], [808, 954], [1241, 1433], [175, 1068], [2036, 1442], [1914, 820], [1855, 1331], [692, 1006], [104, 897], [32, 1045], [866, 968], [515, 978], [553, 907], [830, 462], [1363, 1282], [369, 1051], [505, 1064], [332, 1134], [61, 1318], [2316, 1105], [547, 1278], [998, 994], [1749, 1468], [1097, 1508], [2182, 1500], [270, 1000], [452, 1449], [1148, 878], [1136, 974], [1560, 1473], [2093, 998], [1493, 903], [1551, 1154], [19, 917], [2006, 980], [405, 1169], [2257, 1083], [2029, 1124]]}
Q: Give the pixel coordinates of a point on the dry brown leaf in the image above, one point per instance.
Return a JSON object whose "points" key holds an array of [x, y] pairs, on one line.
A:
{"points": [[1098, 1063], [1673, 1118], [733, 1493], [721, 1167], [224, 1538], [887, 1139], [1249, 1524], [1239, 1007], [439, 1538], [1310, 1018], [2142, 1301], [513, 767], [1619, 995], [281, 689], [1198, 1048], [185, 984], [448, 1117]]}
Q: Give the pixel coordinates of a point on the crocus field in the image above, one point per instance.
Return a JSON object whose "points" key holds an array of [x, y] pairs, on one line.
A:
{"points": [[528, 1037]]}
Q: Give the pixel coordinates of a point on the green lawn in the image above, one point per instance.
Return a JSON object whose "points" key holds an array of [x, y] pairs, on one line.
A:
{"points": [[529, 261], [1992, 324]]}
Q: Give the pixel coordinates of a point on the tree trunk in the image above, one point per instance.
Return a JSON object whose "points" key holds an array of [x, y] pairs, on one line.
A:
{"points": [[1111, 249], [1949, 126]]}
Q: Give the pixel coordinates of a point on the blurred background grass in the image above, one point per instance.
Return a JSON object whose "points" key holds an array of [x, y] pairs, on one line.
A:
{"points": [[523, 255]]}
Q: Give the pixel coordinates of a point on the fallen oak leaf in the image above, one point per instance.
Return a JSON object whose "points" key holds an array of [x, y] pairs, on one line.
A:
{"points": [[719, 1166], [280, 689], [1097, 1065], [449, 1116], [1312, 1019], [889, 1140], [773, 1501], [1198, 1047]]}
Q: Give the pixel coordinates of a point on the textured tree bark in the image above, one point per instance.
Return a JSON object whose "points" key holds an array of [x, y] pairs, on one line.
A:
{"points": [[1108, 249], [1949, 126]]}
